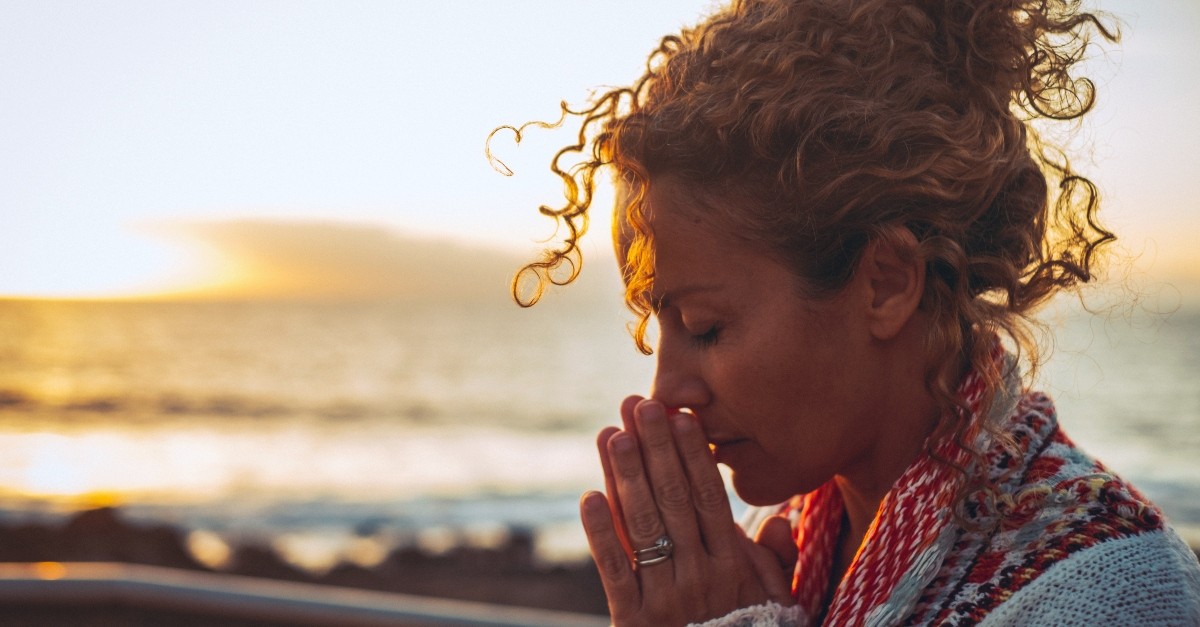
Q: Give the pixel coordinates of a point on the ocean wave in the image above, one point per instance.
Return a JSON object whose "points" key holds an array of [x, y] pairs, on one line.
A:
{"points": [[137, 410]]}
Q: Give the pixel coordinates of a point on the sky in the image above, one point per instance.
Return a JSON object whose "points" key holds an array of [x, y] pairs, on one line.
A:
{"points": [[219, 148]]}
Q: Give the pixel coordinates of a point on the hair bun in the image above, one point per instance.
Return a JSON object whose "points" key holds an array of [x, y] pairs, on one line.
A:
{"points": [[1020, 51]]}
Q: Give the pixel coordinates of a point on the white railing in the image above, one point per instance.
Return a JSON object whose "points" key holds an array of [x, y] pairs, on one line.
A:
{"points": [[99, 587]]}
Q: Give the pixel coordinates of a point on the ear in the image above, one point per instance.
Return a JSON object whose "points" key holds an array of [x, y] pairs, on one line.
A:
{"points": [[894, 276]]}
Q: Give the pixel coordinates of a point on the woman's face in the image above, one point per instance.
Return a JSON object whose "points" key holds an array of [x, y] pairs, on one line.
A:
{"points": [[783, 385]]}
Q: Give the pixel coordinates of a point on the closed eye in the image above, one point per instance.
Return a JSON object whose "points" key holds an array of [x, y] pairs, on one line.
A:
{"points": [[708, 338]]}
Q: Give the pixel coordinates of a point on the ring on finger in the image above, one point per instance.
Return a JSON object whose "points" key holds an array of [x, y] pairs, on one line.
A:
{"points": [[660, 552]]}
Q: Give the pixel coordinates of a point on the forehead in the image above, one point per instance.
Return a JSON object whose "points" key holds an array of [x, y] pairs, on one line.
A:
{"points": [[693, 249]]}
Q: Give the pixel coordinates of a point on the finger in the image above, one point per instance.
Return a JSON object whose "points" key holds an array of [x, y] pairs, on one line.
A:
{"points": [[610, 486], [668, 481], [626, 412], [627, 407], [616, 571], [642, 520], [775, 534], [711, 502], [775, 583]]}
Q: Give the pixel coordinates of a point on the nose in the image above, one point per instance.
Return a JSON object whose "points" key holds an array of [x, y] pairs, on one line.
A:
{"points": [[678, 381]]}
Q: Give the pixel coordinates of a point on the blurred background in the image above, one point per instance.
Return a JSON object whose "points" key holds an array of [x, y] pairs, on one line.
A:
{"points": [[254, 270]]}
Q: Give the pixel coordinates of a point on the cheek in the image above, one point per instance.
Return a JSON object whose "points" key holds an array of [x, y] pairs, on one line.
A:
{"points": [[775, 403], [795, 409]]}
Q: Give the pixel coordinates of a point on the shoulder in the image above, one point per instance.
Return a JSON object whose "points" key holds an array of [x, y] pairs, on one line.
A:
{"points": [[1060, 493], [1062, 538], [1083, 546], [1051, 485], [1147, 579]]}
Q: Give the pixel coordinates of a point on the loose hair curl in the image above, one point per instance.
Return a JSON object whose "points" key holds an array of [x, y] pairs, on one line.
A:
{"points": [[816, 126]]}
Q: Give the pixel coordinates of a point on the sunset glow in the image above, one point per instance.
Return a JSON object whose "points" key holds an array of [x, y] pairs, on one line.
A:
{"points": [[256, 281], [190, 464], [136, 120], [105, 263]]}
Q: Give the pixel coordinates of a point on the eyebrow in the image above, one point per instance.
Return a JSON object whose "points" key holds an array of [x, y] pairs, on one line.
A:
{"points": [[665, 300]]}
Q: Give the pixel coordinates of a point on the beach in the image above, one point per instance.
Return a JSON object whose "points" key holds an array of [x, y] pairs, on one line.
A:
{"points": [[421, 447]]}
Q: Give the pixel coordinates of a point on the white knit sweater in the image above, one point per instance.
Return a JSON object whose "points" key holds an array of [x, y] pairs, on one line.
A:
{"points": [[1070, 545]]}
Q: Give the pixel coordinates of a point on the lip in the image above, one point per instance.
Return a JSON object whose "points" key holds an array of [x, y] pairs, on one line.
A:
{"points": [[723, 448]]}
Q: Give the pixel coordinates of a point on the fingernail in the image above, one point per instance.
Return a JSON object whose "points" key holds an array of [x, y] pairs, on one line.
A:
{"points": [[682, 423], [622, 442], [652, 411], [594, 501]]}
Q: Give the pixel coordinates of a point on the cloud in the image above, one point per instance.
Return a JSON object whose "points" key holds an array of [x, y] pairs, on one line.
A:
{"points": [[269, 259]]}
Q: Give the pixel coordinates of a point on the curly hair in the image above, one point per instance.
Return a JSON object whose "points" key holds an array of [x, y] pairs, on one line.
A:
{"points": [[831, 122]]}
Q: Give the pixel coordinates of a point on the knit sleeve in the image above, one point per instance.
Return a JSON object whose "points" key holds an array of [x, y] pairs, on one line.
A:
{"points": [[1150, 579], [769, 614]]}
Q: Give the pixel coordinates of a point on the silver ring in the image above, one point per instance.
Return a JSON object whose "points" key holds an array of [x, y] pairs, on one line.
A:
{"points": [[660, 552]]}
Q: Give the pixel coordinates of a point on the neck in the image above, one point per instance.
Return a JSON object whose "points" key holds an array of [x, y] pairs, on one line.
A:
{"points": [[907, 414]]}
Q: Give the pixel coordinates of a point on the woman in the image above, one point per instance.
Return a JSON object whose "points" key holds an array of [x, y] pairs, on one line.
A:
{"points": [[841, 219]]}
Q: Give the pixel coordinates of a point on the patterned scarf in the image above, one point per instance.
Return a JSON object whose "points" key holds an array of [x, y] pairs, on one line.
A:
{"points": [[905, 543]]}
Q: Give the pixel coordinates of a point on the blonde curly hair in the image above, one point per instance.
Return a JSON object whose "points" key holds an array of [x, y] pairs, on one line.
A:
{"points": [[823, 124]]}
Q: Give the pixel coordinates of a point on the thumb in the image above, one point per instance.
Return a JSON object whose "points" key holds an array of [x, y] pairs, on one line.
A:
{"points": [[775, 533], [776, 583]]}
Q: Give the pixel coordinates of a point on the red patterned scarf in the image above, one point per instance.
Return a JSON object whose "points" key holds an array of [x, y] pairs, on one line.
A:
{"points": [[903, 546]]}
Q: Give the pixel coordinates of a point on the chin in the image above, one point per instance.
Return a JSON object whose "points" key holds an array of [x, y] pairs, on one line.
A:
{"points": [[762, 491]]}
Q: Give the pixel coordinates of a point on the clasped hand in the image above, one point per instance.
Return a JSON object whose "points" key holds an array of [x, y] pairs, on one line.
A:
{"points": [[661, 480]]}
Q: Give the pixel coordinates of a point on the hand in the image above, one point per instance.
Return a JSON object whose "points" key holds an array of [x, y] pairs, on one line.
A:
{"points": [[661, 480]]}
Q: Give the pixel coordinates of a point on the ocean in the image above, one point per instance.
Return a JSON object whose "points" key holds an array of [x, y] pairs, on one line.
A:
{"points": [[336, 431]]}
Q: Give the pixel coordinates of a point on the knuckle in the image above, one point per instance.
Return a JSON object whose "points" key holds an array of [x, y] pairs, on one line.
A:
{"points": [[612, 565], [711, 497], [689, 578], [658, 442], [674, 495], [645, 524], [629, 470]]}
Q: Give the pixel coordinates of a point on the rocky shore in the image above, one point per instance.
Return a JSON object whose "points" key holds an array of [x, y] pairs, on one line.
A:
{"points": [[507, 574]]}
